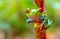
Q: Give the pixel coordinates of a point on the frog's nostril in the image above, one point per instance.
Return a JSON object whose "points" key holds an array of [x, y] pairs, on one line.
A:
{"points": [[27, 10]]}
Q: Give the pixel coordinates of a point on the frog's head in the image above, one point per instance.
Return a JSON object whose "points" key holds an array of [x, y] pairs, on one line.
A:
{"points": [[32, 12]]}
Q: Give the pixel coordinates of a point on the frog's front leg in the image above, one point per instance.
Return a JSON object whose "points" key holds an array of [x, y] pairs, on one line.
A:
{"points": [[30, 20]]}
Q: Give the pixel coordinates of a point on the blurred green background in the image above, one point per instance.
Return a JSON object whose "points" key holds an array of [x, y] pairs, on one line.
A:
{"points": [[12, 13]]}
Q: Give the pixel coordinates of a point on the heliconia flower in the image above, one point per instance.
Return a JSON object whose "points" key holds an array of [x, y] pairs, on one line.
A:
{"points": [[39, 18], [40, 4]]}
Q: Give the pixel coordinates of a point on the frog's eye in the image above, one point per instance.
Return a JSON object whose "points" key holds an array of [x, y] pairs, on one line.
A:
{"points": [[27, 10]]}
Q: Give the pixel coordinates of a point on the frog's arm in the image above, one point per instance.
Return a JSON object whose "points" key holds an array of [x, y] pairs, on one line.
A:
{"points": [[30, 20]]}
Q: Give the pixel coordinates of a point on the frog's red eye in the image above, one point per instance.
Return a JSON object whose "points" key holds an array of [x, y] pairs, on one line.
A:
{"points": [[27, 10]]}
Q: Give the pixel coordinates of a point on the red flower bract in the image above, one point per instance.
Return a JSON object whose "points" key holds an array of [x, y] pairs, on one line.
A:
{"points": [[40, 4]]}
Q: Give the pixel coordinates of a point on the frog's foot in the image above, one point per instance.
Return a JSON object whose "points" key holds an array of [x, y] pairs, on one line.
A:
{"points": [[49, 22]]}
